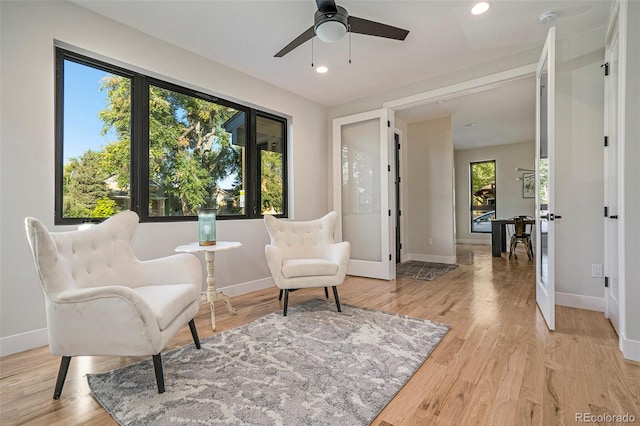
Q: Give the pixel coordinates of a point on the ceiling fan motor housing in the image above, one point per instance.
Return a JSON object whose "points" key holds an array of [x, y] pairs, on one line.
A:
{"points": [[330, 26]]}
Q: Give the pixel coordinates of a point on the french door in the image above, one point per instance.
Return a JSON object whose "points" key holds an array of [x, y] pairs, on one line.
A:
{"points": [[545, 215], [611, 178], [362, 188]]}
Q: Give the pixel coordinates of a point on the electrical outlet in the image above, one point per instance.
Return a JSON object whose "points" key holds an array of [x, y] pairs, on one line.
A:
{"points": [[596, 270]]}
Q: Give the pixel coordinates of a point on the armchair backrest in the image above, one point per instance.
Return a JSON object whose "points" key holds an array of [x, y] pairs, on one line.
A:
{"points": [[98, 256], [309, 239]]}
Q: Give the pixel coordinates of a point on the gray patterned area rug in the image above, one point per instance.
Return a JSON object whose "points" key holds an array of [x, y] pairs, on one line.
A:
{"points": [[427, 271], [315, 366]]}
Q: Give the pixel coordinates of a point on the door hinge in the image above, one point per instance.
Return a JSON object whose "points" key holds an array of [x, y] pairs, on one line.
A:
{"points": [[389, 212], [399, 179], [388, 123], [399, 212], [398, 146], [400, 246], [606, 282], [606, 68], [606, 211], [390, 258], [606, 141], [388, 167]]}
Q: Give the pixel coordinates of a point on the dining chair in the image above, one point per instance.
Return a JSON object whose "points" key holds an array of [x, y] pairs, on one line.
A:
{"points": [[520, 235]]}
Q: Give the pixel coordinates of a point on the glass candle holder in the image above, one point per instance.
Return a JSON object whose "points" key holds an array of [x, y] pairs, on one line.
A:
{"points": [[207, 226]]}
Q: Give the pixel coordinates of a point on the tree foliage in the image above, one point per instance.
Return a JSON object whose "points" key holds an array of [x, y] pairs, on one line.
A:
{"points": [[191, 155]]}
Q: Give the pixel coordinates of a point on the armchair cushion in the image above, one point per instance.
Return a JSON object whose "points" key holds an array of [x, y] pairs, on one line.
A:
{"points": [[168, 301], [308, 267]]}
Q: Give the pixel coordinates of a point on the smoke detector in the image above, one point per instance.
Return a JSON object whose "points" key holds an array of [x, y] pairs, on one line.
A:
{"points": [[547, 17]]}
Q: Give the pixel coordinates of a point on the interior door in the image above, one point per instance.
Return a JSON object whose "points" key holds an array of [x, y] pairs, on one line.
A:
{"points": [[362, 188], [611, 158], [545, 216]]}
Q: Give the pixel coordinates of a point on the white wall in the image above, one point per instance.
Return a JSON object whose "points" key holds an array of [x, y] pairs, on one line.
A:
{"points": [[429, 188], [28, 31], [509, 199]]}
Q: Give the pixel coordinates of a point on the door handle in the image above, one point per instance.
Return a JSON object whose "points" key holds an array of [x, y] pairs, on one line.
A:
{"points": [[613, 216], [550, 216]]}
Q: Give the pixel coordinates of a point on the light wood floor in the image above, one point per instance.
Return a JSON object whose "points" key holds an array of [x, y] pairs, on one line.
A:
{"points": [[497, 366]]}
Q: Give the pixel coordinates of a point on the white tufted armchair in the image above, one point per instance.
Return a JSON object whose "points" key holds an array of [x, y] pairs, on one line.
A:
{"points": [[305, 254], [101, 300]]}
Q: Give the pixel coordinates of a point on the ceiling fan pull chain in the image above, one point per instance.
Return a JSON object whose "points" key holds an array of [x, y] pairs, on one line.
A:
{"points": [[349, 43], [311, 53]]}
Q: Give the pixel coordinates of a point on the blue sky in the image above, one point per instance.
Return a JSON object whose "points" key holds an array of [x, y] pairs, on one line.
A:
{"points": [[83, 100]]}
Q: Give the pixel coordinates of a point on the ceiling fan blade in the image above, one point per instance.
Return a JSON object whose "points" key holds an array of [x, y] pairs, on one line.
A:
{"points": [[325, 6], [364, 26], [305, 36]]}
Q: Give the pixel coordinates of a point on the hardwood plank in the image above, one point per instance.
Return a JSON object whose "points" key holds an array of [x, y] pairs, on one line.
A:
{"points": [[498, 365]]}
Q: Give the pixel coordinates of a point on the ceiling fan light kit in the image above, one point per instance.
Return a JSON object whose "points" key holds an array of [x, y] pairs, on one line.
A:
{"points": [[332, 22], [331, 27]]}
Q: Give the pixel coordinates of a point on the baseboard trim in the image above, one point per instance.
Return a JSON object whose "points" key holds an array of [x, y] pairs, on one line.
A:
{"points": [[579, 301], [451, 260], [630, 349], [471, 241], [24, 341], [248, 287]]}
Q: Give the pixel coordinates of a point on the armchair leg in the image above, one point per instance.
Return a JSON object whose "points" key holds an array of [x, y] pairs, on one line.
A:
{"points": [[62, 375], [335, 295], [286, 301], [280, 296], [157, 366], [194, 333], [326, 293]]}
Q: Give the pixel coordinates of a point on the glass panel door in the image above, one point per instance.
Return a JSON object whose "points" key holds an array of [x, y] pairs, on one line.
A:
{"points": [[361, 176], [545, 113]]}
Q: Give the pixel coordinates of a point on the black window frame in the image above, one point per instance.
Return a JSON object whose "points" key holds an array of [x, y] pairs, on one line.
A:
{"points": [[139, 166], [495, 193]]}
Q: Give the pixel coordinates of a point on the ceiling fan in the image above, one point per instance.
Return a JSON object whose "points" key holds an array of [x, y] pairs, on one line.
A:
{"points": [[332, 22]]}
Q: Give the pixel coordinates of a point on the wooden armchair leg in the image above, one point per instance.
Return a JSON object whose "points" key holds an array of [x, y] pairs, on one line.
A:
{"points": [[326, 293], [62, 375], [335, 295], [286, 302], [194, 333], [157, 366]]}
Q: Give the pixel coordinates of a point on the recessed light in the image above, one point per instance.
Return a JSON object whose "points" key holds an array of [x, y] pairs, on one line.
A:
{"points": [[322, 69], [480, 8]]}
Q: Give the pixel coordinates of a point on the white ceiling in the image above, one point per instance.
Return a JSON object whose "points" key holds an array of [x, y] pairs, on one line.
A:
{"points": [[444, 37]]}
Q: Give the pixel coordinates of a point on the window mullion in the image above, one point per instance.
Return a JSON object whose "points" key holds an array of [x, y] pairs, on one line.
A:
{"points": [[140, 146], [253, 180]]}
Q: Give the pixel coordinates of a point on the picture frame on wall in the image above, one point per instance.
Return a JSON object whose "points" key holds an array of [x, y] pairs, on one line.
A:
{"points": [[528, 185]]}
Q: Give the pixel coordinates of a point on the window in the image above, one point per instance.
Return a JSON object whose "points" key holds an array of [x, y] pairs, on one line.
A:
{"points": [[483, 195], [129, 141]]}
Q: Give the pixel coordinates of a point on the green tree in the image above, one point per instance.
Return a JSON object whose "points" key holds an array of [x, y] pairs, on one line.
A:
{"points": [[482, 175], [86, 185], [189, 150], [271, 183]]}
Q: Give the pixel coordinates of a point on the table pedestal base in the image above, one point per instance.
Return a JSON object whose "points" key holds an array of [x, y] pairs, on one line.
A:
{"points": [[212, 295]]}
